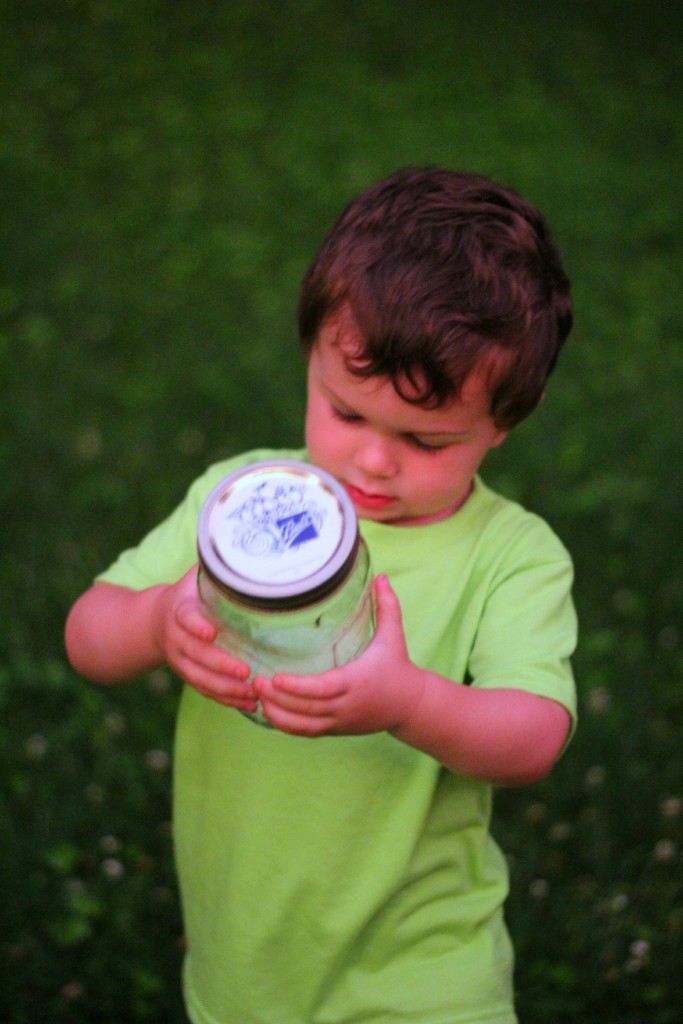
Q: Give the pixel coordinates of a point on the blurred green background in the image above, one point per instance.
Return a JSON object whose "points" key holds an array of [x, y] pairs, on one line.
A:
{"points": [[167, 170]]}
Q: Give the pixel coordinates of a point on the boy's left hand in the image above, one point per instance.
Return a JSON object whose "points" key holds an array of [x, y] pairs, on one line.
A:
{"points": [[373, 693]]}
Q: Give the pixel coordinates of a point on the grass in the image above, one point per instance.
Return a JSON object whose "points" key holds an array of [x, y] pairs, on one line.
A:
{"points": [[167, 172]]}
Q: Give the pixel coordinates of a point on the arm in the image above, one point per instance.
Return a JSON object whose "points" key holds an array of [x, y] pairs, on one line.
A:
{"points": [[114, 634], [502, 736], [506, 737]]}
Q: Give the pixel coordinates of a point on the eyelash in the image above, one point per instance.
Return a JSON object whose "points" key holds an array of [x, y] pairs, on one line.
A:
{"points": [[414, 442], [345, 417], [428, 449]]}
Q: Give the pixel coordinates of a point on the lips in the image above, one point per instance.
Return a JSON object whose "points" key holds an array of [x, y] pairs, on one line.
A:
{"points": [[368, 501]]}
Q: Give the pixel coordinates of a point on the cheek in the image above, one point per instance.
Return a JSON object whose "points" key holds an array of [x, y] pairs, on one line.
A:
{"points": [[312, 439], [321, 435], [445, 476], [435, 483], [315, 414]]}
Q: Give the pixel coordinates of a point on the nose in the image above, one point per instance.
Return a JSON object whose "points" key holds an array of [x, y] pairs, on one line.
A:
{"points": [[375, 456]]}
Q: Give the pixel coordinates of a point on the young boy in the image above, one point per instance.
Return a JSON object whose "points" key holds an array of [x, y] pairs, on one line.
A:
{"points": [[352, 877]]}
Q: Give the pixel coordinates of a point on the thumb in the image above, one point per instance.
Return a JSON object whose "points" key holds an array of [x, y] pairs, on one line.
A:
{"points": [[191, 612], [389, 615]]}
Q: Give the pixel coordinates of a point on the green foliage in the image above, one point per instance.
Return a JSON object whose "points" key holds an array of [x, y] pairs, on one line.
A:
{"points": [[167, 171], [91, 927]]}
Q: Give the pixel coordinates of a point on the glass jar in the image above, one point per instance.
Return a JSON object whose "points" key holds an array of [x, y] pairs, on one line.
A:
{"points": [[284, 571]]}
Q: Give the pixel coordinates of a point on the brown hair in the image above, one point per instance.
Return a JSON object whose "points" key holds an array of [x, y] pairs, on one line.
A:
{"points": [[444, 272]]}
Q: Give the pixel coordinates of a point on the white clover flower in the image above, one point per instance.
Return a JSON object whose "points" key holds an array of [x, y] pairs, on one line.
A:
{"points": [[665, 851], [72, 991], [159, 681], [639, 956], [36, 747], [115, 723], [157, 760], [619, 902], [113, 869], [163, 894], [536, 812], [94, 794], [89, 444], [595, 776], [110, 844], [539, 888], [561, 831], [75, 888], [640, 950], [671, 806], [599, 700]]}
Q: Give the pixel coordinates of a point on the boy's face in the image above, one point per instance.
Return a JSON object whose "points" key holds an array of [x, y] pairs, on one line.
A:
{"points": [[400, 463]]}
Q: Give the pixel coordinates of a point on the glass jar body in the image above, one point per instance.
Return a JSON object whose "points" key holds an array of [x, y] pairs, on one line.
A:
{"points": [[306, 640]]}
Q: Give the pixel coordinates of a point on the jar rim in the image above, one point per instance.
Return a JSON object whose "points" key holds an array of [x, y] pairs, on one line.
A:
{"points": [[278, 533]]}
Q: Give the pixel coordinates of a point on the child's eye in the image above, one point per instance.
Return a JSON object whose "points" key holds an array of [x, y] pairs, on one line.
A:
{"points": [[424, 446], [346, 417]]}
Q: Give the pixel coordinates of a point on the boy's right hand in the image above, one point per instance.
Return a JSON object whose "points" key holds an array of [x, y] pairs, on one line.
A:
{"points": [[186, 636]]}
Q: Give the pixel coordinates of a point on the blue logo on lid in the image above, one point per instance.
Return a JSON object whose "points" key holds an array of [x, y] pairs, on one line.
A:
{"points": [[276, 517]]}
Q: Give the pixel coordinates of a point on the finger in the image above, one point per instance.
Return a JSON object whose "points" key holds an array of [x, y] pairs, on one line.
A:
{"points": [[300, 707], [325, 686], [277, 702], [190, 618], [285, 720], [221, 688], [212, 657]]}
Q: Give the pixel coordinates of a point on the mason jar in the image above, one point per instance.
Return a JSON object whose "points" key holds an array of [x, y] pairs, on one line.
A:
{"points": [[284, 571]]}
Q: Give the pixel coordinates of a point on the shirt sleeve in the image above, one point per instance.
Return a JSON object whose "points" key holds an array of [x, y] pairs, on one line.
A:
{"points": [[164, 555], [528, 629], [170, 549]]}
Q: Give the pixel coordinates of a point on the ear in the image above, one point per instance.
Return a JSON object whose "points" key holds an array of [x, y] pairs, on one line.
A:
{"points": [[499, 438]]}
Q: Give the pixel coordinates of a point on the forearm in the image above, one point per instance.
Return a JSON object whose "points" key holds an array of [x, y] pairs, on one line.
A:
{"points": [[111, 633], [505, 737]]}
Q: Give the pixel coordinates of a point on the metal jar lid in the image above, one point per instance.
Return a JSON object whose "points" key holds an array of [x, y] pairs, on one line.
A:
{"points": [[278, 534]]}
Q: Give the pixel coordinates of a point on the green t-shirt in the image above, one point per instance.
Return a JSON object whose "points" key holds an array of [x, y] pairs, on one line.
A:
{"points": [[354, 879]]}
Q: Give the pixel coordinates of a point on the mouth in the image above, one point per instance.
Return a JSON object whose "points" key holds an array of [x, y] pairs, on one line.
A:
{"points": [[368, 501]]}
